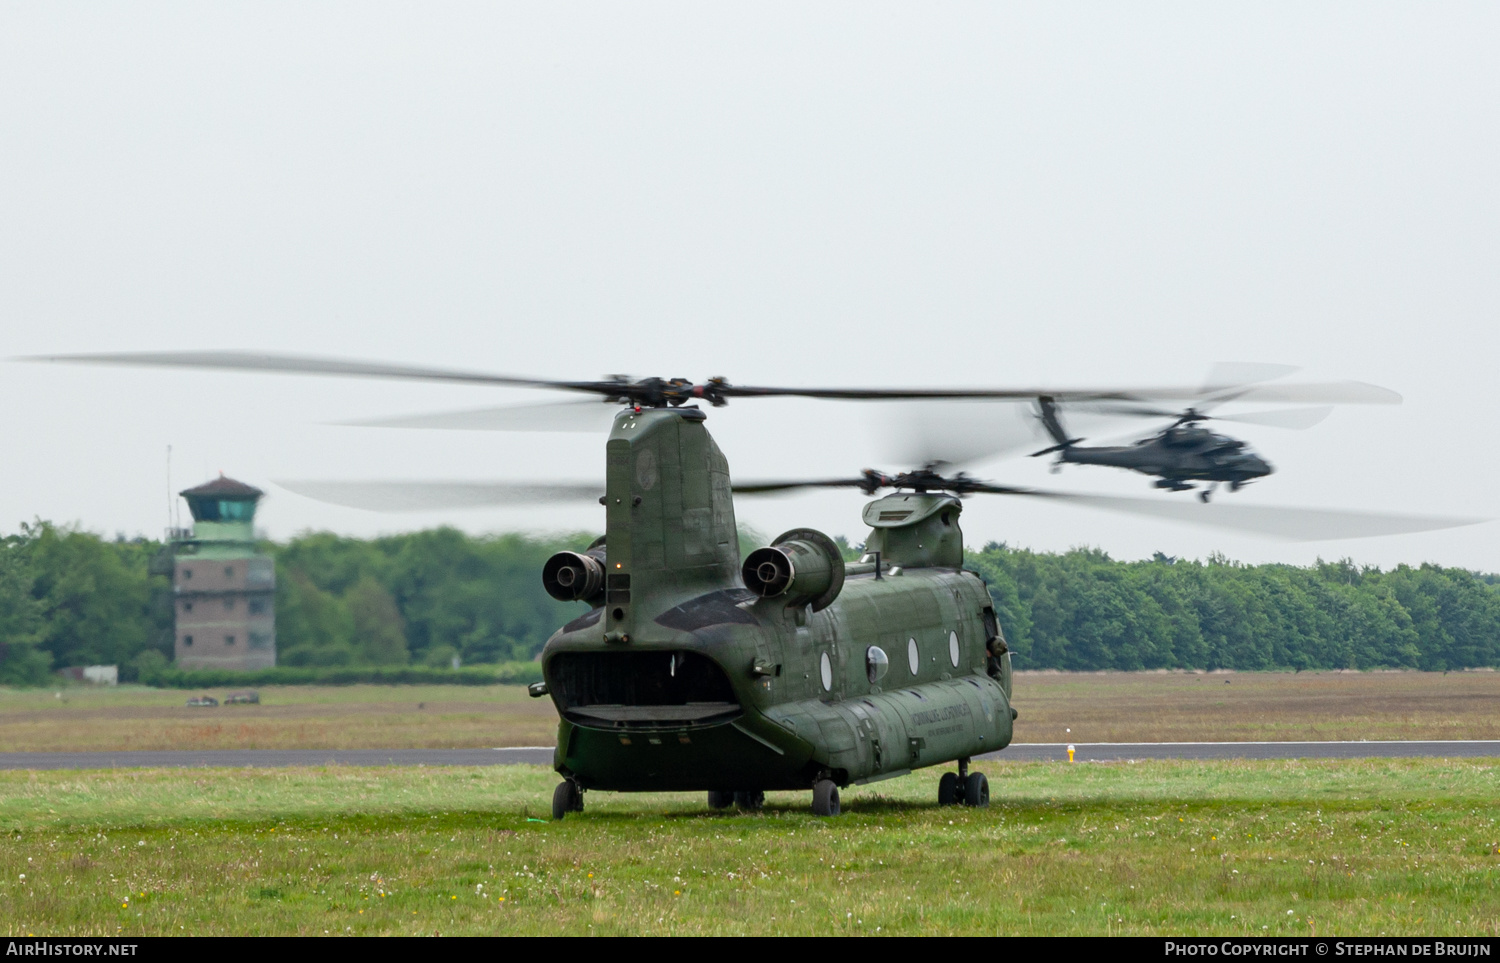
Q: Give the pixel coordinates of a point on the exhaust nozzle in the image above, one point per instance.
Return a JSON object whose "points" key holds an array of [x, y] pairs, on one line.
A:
{"points": [[571, 577]]}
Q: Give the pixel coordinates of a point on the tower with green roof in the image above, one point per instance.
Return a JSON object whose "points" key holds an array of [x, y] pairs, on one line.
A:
{"points": [[224, 589]]}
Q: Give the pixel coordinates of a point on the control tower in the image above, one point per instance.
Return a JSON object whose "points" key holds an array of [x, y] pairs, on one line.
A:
{"points": [[224, 591]]}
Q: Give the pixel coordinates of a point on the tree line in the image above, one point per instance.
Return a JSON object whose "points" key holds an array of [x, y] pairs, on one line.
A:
{"points": [[1082, 610], [69, 597]]}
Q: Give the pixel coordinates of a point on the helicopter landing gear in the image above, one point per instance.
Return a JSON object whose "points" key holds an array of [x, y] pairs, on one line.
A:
{"points": [[948, 789], [750, 800], [1208, 492], [977, 791], [566, 798], [825, 798], [968, 788]]}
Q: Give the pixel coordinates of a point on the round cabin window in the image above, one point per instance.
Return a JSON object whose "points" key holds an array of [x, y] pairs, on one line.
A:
{"points": [[953, 648], [876, 663], [826, 668], [913, 657]]}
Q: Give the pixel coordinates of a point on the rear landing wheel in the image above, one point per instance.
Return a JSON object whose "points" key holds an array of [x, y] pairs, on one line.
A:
{"points": [[720, 799], [566, 798], [948, 789], [750, 800], [825, 798]]}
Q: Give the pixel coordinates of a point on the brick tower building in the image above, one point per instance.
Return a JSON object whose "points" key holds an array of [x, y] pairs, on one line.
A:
{"points": [[224, 591]]}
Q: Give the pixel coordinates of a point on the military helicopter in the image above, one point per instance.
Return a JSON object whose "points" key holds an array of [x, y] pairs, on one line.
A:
{"points": [[794, 671], [1180, 455]]}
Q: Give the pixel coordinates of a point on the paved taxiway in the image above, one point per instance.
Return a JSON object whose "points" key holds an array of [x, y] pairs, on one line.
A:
{"points": [[542, 755]]}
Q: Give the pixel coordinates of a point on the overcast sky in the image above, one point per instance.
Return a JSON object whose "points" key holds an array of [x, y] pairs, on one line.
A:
{"points": [[845, 194]]}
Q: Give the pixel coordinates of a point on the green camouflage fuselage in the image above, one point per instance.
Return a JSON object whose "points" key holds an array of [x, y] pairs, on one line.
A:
{"points": [[681, 678]]}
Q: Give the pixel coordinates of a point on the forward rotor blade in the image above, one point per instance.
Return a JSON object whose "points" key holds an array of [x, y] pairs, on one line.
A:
{"points": [[960, 433], [584, 416], [956, 432], [786, 487], [413, 496], [307, 364], [1271, 521], [417, 496]]}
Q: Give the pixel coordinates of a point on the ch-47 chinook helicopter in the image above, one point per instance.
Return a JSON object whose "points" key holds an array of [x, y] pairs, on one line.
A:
{"points": [[795, 670]]}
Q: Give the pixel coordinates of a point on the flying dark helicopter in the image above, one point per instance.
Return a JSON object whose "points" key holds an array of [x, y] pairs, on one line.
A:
{"points": [[795, 670], [1180, 455]]}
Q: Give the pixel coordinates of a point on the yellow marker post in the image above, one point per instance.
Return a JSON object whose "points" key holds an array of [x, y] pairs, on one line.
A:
{"points": [[1070, 752]]}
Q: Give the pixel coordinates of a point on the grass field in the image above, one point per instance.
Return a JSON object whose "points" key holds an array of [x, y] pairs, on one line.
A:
{"points": [[1102, 707], [1283, 848], [289, 717], [1252, 706]]}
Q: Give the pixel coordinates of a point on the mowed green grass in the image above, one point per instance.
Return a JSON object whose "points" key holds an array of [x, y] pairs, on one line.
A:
{"points": [[1054, 707], [1283, 847]]}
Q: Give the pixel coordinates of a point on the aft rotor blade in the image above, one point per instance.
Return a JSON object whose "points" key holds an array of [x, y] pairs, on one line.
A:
{"points": [[417, 496], [1333, 392], [1296, 418], [1337, 392], [1232, 374], [1326, 393], [308, 364], [1271, 521], [586, 416]]}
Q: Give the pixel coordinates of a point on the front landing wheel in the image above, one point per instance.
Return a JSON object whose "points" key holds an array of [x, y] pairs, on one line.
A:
{"points": [[720, 798], [948, 789], [976, 790], [566, 798], [825, 798]]}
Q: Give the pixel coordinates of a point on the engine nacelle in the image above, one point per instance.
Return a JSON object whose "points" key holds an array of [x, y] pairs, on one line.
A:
{"points": [[574, 577], [803, 566]]}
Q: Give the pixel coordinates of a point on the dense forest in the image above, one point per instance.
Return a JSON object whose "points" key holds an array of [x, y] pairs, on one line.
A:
{"points": [[72, 598], [1082, 610]]}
